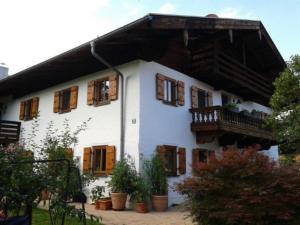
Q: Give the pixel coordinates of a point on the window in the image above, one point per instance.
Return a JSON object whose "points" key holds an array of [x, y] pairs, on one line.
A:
{"points": [[29, 109], [200, 98], [102, 91], [65, 100], [169, 156], [99, 160], [169, 90], [225, 99], [202, 156]]}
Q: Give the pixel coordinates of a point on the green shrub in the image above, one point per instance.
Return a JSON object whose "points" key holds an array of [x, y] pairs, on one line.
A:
{"points": [[244, 189], [156, 176], [123, 177]]}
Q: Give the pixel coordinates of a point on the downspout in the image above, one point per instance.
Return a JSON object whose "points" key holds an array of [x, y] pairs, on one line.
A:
{"points": [[122, 128]]}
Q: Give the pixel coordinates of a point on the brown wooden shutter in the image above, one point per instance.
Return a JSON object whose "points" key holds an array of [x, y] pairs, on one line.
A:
{"points": [[209, 98], [182, 160], [161, 150], [34, 107], [194, 97], [195, 159], [160, 93], [110, 158], [69, 153], [113, 87], [22, 110], [180, 92], [56, 102], [91, 92], [73, 98], [87, 152]]}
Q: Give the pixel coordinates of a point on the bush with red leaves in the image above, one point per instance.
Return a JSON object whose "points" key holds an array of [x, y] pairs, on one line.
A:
{"points": [[244, 189]]}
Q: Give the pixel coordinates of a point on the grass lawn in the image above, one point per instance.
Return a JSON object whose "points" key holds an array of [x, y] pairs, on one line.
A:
{"points": [[41, 217]]}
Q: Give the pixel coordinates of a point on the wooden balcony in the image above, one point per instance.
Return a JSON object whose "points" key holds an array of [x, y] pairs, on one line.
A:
{"points": [[216, 121], [9, 132], [215, 67]]}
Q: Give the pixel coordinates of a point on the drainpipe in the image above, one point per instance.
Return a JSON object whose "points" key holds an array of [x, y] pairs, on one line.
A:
{"points": [[122, 128]]}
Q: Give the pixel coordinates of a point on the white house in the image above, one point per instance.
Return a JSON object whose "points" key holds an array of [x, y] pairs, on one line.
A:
{"points": [[178, 74]]}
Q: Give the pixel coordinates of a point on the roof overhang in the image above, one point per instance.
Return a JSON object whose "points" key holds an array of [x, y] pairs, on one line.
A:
{"points": [[144, 38]]}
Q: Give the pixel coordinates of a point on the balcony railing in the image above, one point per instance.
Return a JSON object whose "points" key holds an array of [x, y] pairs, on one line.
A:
{"points": [[9, 131], [218, 118]]}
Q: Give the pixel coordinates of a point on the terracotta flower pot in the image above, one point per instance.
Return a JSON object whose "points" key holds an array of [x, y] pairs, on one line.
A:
{"points": [[141, 207], [118, 200], [160, 203], [97, 204], [105, 204]]}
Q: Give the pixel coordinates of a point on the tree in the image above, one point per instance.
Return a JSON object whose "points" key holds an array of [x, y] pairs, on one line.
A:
{"points": [[285, 103], [244, 189]]}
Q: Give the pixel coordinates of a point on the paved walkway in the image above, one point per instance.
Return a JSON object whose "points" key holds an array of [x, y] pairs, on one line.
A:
{"points": [[172, 217]]}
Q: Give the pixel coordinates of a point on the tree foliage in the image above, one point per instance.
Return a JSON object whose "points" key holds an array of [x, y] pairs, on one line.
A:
{"points": [[285, 103], [244, 189]]}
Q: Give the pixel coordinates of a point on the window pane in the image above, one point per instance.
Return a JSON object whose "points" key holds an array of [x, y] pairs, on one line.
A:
{"points": [[202, 98], [102, 91], [169, 91], [166, 90], [27, 109], [170, 163], [65, 100], [203, 156]]}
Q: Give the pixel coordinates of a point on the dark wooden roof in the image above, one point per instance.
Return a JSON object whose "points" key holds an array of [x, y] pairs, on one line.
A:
{"points": [[149, 38]]}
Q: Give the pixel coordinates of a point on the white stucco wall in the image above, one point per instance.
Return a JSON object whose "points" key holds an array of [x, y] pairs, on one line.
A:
{"points": [[104, 127]]}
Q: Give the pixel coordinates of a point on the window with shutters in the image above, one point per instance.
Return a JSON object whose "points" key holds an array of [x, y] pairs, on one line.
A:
{"points": [[65, 100], [201, 156], [102, 91], [173, 159], [99, 160], [170, 91], [29, 109], [200, 98]]}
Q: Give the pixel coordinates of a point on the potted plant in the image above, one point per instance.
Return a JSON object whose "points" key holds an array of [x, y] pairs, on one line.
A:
{"points": [[101, 202], [141, 194], [157, 181], [97, 195], [121, 183]]}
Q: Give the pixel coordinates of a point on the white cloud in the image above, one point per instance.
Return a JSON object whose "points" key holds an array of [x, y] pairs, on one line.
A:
{"points": [[34, 30], [230, 12], [167, 8]]}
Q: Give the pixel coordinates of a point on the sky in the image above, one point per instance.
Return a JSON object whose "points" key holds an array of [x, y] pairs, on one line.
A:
{"points": [[32, 31]]}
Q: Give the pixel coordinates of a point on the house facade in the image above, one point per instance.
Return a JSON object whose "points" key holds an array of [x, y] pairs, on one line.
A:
{"points": [[193, 87]]}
